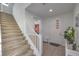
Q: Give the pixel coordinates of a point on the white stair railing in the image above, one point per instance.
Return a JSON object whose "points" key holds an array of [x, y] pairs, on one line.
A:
{"points": [[32, 45], [36, 39], [66, 48], [70, 52]]}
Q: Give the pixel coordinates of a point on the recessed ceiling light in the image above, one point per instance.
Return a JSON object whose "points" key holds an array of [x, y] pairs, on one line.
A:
{"points": [[5, 4], [50, 10], [43, 3]]}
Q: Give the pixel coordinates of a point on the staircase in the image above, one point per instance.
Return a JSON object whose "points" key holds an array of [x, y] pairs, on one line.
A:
{"points": [[13, 41]]}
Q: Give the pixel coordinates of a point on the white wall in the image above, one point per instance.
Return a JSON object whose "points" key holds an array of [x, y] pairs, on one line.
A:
{"points": [[30, 22], [49, 27], [7, 9], [25, 20], [76, 12], [20, 17]]}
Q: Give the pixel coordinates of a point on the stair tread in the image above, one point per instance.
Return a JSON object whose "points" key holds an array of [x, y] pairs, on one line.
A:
{"points": [[17, 51], [29, 53]]}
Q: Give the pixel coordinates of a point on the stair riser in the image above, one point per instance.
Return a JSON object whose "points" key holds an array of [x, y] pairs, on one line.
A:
{"points": [[3, 22], [30, 53], [5, 41], [15, 47], [11, 36], [11, 32], [6, 17], [13, 43], [9, 23], [7, 20], [10, 39], [8, 28]]}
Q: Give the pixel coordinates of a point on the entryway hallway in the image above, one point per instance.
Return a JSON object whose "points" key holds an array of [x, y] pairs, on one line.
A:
{"points": [[26, 27]]}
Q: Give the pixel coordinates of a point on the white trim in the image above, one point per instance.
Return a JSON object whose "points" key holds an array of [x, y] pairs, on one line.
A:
{"points": [[32, 46]]}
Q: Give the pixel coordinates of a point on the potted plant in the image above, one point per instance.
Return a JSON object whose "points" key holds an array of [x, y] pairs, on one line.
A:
{"points": [[69, 34]]}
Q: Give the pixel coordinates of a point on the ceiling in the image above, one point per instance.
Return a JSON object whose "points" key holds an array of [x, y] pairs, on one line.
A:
{"points": [[8, 8], [42, 9]]}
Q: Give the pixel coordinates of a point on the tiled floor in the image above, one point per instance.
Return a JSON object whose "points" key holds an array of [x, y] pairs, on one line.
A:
{"points": [[51, 50]]}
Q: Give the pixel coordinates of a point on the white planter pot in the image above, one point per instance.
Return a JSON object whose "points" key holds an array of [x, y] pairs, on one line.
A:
{"points": [[70, 46], [77, 49]]}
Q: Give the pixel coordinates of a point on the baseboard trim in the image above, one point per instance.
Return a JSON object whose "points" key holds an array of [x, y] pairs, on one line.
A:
{"points": [[51, 43]]}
